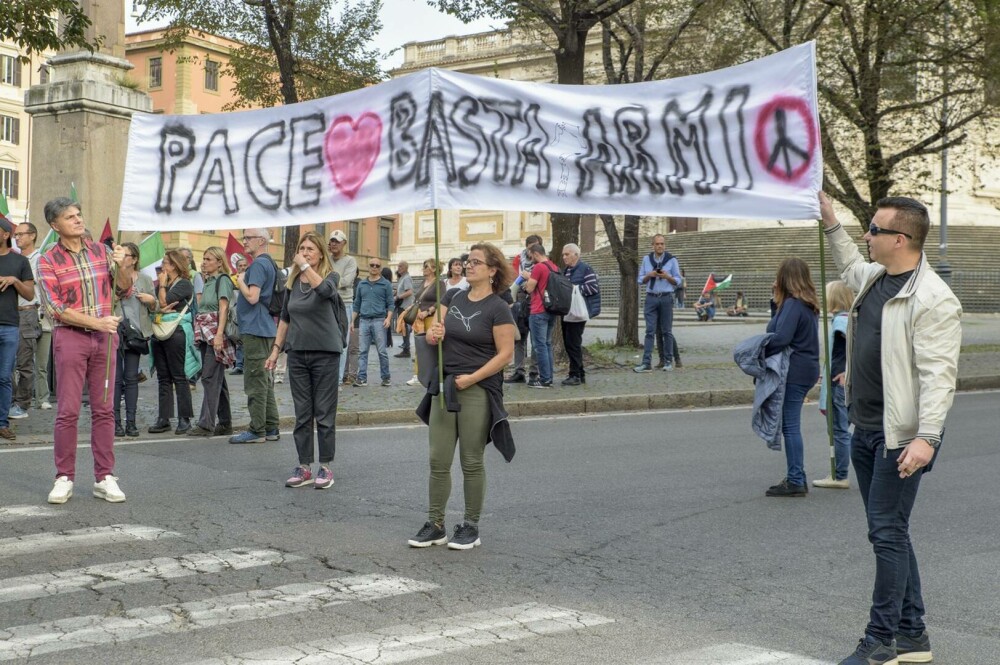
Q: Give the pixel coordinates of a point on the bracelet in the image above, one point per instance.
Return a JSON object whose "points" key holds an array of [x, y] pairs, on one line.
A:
{"points": [[275, 346]]}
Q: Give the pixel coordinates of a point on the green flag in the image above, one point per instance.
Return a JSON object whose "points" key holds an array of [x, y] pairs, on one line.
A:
{"points": [[151, 251], [72, 193], [4, 210], [50, 239]]}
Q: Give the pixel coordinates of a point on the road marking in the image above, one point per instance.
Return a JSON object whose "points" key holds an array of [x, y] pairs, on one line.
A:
{"points": [[110, 575], [87, 631], [102, 535], [14, 513], [737, 654], [437, 637]]}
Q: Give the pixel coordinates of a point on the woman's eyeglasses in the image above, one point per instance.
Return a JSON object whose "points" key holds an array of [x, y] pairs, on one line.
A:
{"points": [[475, 263], [875, 229]]}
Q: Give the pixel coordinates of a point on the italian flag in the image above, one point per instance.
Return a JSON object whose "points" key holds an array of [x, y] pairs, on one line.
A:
{"points": [[151, 253], [714, 283]]}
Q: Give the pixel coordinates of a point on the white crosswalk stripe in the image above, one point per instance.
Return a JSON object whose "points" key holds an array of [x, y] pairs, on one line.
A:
{"points": [[399, 644], [738, 654], [14, 513], [87, 631], [103, 535], [110, 575]]}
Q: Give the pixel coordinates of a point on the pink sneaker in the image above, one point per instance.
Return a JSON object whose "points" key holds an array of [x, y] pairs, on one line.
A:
{"points": [[301, 476], [324, 478]]}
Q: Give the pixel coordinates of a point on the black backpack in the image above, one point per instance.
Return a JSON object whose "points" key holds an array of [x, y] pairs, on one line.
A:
{"points": [[278, 292], [558, 295]]}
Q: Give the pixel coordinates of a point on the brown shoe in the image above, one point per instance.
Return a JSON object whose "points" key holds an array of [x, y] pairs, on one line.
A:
{"points": [[8, 433]]}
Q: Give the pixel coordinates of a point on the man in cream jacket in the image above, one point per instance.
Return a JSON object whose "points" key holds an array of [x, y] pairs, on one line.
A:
{"points": [[903, 343]]}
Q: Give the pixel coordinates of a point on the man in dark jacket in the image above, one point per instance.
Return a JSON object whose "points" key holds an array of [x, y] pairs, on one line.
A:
{"points": [[584, 277]]}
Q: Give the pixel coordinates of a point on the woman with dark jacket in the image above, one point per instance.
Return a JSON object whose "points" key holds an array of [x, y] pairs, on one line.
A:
{"points": [[169, 356], [136, 309], [583, 276], [476, 330], [795, 326]]}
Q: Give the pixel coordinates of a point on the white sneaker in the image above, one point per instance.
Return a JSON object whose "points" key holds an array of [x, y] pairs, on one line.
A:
{"points": [[62, 490], [108, 490], [414, 381], [46, 406], [830, 483]]}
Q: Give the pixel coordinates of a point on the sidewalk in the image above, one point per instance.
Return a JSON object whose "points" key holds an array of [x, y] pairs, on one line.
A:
{"points": [[708, 378]]}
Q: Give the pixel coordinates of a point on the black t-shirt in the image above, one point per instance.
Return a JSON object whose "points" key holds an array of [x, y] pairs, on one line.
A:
{"points": [[867, 401], [468, 342], [180, 292], [12, 264]]}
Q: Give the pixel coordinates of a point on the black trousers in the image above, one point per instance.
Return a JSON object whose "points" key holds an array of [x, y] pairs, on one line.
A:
{"points": [[312, 376], [127, 384], [168, 358], [572, 334]]}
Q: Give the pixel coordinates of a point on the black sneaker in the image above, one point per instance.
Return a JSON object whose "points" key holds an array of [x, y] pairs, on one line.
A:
{"points": [[119, 430], [516, 377], [536, 383], [465, 538], [429, 534], [198, 430], [872, 652], [161, 425], [572, 381], [405, 353], [785, 488], [223, 430], [914, 649]]}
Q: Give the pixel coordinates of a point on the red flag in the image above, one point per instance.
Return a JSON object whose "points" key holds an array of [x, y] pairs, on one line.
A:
{"points": [[107, 238], [710, 283], [234, 252]]}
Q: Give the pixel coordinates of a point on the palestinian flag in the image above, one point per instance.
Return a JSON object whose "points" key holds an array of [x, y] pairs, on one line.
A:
{"points": [[151, 251], [713, 283]]}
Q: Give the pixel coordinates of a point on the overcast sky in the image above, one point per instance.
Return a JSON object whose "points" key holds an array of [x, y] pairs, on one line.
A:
{"points": [[402, 21]]}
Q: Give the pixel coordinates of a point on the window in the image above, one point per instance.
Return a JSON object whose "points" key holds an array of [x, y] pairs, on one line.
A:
{"points": [[155, 73], [212, 75], [43, 74], [384, 233], [8, 182], [10, 129], [10, 70], [353, 236]]}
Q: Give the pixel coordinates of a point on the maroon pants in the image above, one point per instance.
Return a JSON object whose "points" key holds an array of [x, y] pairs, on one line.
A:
{"points": [[81, 358]]}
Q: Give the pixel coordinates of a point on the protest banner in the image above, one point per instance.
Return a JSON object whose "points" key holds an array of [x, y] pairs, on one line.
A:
{"points": [[741, 142]]}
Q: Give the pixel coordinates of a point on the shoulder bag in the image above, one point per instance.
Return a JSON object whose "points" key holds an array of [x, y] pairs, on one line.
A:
{"points": [[164, 327]]}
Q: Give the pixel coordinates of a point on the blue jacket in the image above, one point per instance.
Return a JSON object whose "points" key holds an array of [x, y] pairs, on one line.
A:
{"points": [[796, 327], [373, 300], [770, 375], [584, 276]]}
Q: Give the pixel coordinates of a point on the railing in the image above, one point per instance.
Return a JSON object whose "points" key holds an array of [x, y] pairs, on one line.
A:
{"points": [[459, 47]]}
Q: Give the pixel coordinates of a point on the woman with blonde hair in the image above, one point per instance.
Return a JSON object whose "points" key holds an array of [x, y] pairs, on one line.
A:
{"points": [[169, 356], [795, 326], [217, 352], [312, 330], [839, 298]]}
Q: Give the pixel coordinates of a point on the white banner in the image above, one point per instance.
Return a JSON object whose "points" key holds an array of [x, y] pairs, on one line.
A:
{"points": [[738, 142]]}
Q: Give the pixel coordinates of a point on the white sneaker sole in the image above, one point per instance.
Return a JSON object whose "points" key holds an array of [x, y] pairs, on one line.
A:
{"points": [[428, 543], [59, 500], [916, 657], [298, 485], [320, 486], [98, 494], [461, 546]]}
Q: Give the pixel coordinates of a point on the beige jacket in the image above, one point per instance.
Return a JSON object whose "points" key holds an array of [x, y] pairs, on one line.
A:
{"points": [[921, 338]]}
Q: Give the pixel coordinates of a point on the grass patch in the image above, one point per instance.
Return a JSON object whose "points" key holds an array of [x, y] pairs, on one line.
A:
{"points": [[981, 348]]}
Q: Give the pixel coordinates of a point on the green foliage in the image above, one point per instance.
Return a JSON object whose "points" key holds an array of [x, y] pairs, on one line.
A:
{"points": [[30, 24]]}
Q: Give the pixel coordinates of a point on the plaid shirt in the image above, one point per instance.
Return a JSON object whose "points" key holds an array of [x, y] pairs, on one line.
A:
{"points": [[81, 281]]}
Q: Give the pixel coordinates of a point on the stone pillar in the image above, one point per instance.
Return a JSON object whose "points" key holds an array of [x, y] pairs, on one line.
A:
{"points": [[80, 122]]}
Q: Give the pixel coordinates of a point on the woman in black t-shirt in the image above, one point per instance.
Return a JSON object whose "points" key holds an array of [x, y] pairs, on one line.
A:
{"points": [[175, 291], [478, 344]]}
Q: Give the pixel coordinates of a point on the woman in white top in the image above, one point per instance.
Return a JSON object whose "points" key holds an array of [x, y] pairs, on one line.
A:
{"points": [[456, 276]]}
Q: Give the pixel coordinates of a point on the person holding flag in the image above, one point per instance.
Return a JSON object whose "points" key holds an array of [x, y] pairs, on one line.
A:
{"points": [[77, 277]]}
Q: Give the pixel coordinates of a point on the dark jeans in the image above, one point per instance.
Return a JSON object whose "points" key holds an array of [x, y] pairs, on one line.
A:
{"points": [[127, 384], [791, 430], [841, 433], [659, 315], [168, 358], [572, 333], [312, 378], [897, 605], [215, 401]]}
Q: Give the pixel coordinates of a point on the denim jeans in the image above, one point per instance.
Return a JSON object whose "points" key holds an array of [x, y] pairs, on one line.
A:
{"points": [[791, 430], [10, 339], [541, 326], [841, 433], [897, 605], [659, 314], [372, 330]]}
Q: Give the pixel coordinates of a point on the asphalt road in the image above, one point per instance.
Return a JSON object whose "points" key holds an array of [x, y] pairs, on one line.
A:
{"points": [[641, 538]]}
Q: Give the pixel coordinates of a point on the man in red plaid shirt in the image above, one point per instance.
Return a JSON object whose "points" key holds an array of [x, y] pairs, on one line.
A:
{"points": [[77, 277]]}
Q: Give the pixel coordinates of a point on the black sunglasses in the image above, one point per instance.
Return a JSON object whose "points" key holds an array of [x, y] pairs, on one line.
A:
{"points": [[875, 229], [374, 265]]}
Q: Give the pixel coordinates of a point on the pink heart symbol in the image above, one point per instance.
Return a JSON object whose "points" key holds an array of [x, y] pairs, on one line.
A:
{"points": [[351, 148]]}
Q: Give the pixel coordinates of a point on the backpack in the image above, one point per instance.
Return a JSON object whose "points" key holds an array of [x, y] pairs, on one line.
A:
{"points": [[278, 292], [558, 295]]}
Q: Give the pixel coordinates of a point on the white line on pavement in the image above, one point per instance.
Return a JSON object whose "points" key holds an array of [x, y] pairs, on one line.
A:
{"points": [[13, 513], [101, 535], [737, 654], [87, 631], [110, 575], [398, 644]]}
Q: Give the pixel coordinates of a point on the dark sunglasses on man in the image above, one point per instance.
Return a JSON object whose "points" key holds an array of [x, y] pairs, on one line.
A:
{"points": [[875, 229]]}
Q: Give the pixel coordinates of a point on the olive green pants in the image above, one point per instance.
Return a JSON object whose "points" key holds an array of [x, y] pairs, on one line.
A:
{"points": [[469, 427]]}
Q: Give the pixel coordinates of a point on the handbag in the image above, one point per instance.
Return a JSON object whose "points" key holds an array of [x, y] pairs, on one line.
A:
{"points": [[578, 312], [131, 337], [410, 315], [163, 328]]}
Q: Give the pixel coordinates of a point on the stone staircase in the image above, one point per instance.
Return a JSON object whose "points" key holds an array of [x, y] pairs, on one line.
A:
{"points": [[753, 255]]}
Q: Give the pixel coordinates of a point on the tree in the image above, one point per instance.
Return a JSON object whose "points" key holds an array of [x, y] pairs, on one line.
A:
{"points": [[300, 45], [29, 24], [886, 70]]}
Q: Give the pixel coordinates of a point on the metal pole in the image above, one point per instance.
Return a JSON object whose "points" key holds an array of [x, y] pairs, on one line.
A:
{"points": [[943, 267], [437, 311], [827, 377]]}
